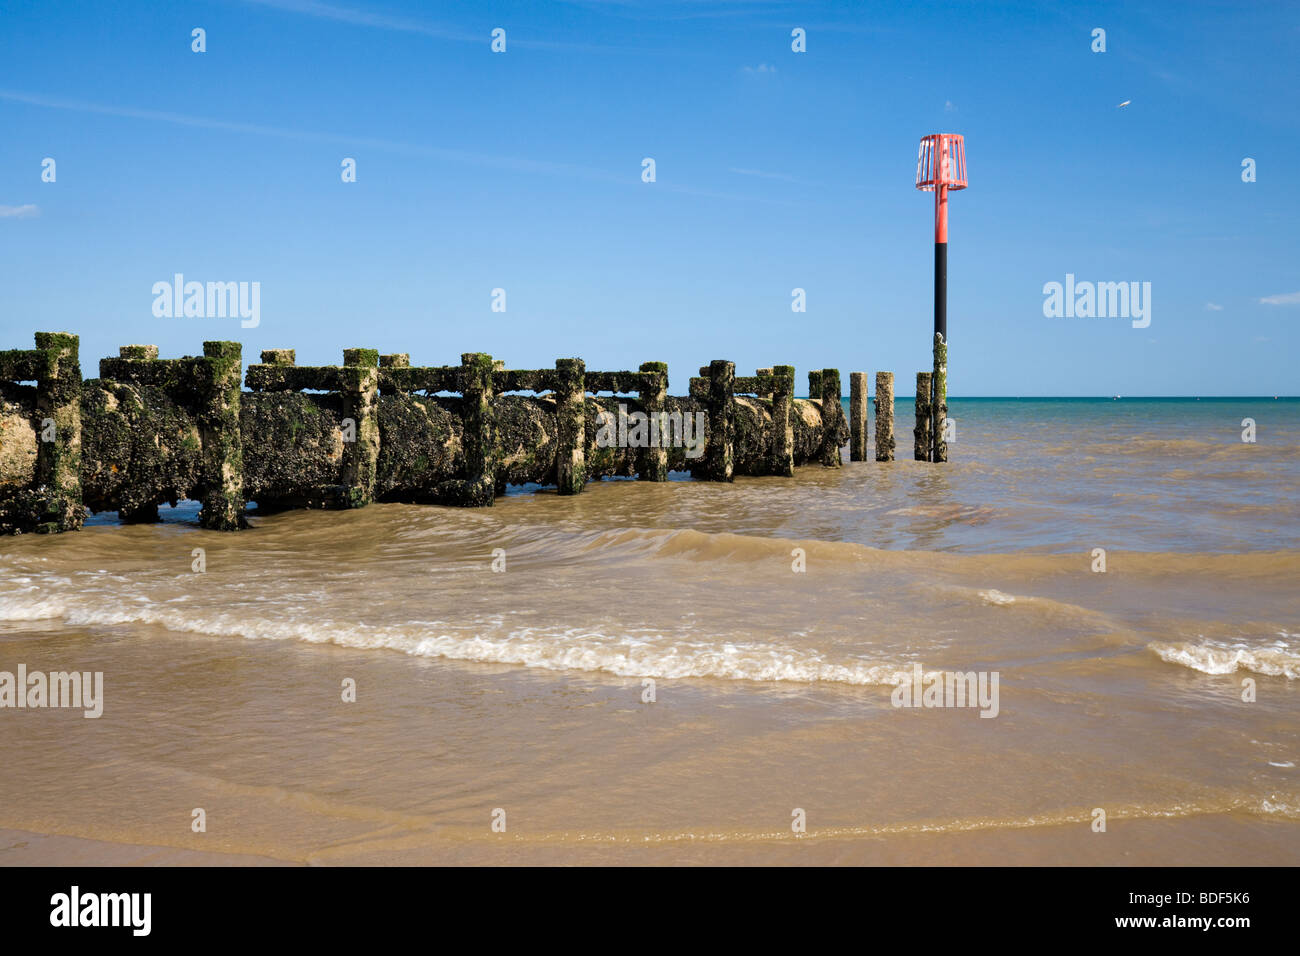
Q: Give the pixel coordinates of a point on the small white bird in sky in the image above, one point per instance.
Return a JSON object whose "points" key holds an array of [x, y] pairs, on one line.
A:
{"points": [[1124, 104]]}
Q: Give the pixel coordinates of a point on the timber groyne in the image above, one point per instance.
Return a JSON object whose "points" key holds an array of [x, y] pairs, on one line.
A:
{"points": [[150, 430]]}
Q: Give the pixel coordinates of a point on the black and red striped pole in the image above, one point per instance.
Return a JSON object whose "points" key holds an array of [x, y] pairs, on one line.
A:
{"points": [[940, 166]]}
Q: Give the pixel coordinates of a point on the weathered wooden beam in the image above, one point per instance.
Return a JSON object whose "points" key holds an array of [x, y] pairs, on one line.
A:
{"points": [[445, 378], [620, 383], [291, 378], [21, 365]]}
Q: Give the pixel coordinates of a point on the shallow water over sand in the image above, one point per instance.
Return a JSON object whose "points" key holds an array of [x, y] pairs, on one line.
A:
{"points": [[523, 689]]}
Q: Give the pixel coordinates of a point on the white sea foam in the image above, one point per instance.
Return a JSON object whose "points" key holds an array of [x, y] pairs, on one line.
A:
{"points": [[645, 654], [996, 597], [1280, 658]]}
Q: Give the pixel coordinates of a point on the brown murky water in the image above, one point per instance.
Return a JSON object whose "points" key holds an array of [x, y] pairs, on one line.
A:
{"points": [[524, 690]]}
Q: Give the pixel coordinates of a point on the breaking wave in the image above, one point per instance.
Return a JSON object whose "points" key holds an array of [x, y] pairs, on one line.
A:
{"points": [[643, 653], [1281, 658]]}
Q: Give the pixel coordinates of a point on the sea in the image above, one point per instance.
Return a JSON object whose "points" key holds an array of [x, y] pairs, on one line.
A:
{"points": [[695, 672]]}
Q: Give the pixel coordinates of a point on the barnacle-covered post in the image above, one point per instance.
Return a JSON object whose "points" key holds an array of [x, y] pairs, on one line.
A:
{"points": [[654, 395], [222, 479], [720, 451], [145, 512], [939, 404], [480, 441], [782, 420], [921, 436], [58, 413], [395, 360], [570, 425], [884, 416], [832, 417], [359, 381], [858, 416]]}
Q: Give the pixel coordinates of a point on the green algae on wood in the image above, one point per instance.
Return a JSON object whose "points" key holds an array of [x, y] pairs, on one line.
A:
{"points": [[835, 429], [782, 455], [922, 446], [159, 430], [570, 425], [58, 410], [939, 404], [360, 391], [719, 449], [221, 487], [654, 394]]}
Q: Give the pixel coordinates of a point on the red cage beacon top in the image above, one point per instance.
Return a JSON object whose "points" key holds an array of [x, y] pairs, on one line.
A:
{"points": [[941, 166], [941, 161]]}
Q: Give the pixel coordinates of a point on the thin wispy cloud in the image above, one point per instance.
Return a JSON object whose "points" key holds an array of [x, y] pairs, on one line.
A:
{"points": [[254, 129], [761, 174], [25, 211], [381, 21], [763, 69], [512, 163], [665, 10], [367, 18], [1213, 307], [1286, 298]]}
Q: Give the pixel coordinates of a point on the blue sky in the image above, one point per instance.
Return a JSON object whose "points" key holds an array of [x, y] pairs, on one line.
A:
{"points": [[775, 170]]}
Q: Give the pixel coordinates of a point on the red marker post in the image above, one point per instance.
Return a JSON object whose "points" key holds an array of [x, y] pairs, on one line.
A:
{"points": [[940, 167]]}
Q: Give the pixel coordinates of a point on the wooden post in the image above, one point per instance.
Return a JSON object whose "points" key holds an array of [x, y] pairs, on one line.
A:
{"points": [[922, 446], [147, 512], [858, 416], [782, 423], [814, 384], [360, 390], [222, 480], [884, 416], [832, 418], [480, 442], [939, 403], [58, 414], [720, 453], [654, 459], [571, 425], [395, 360]]}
